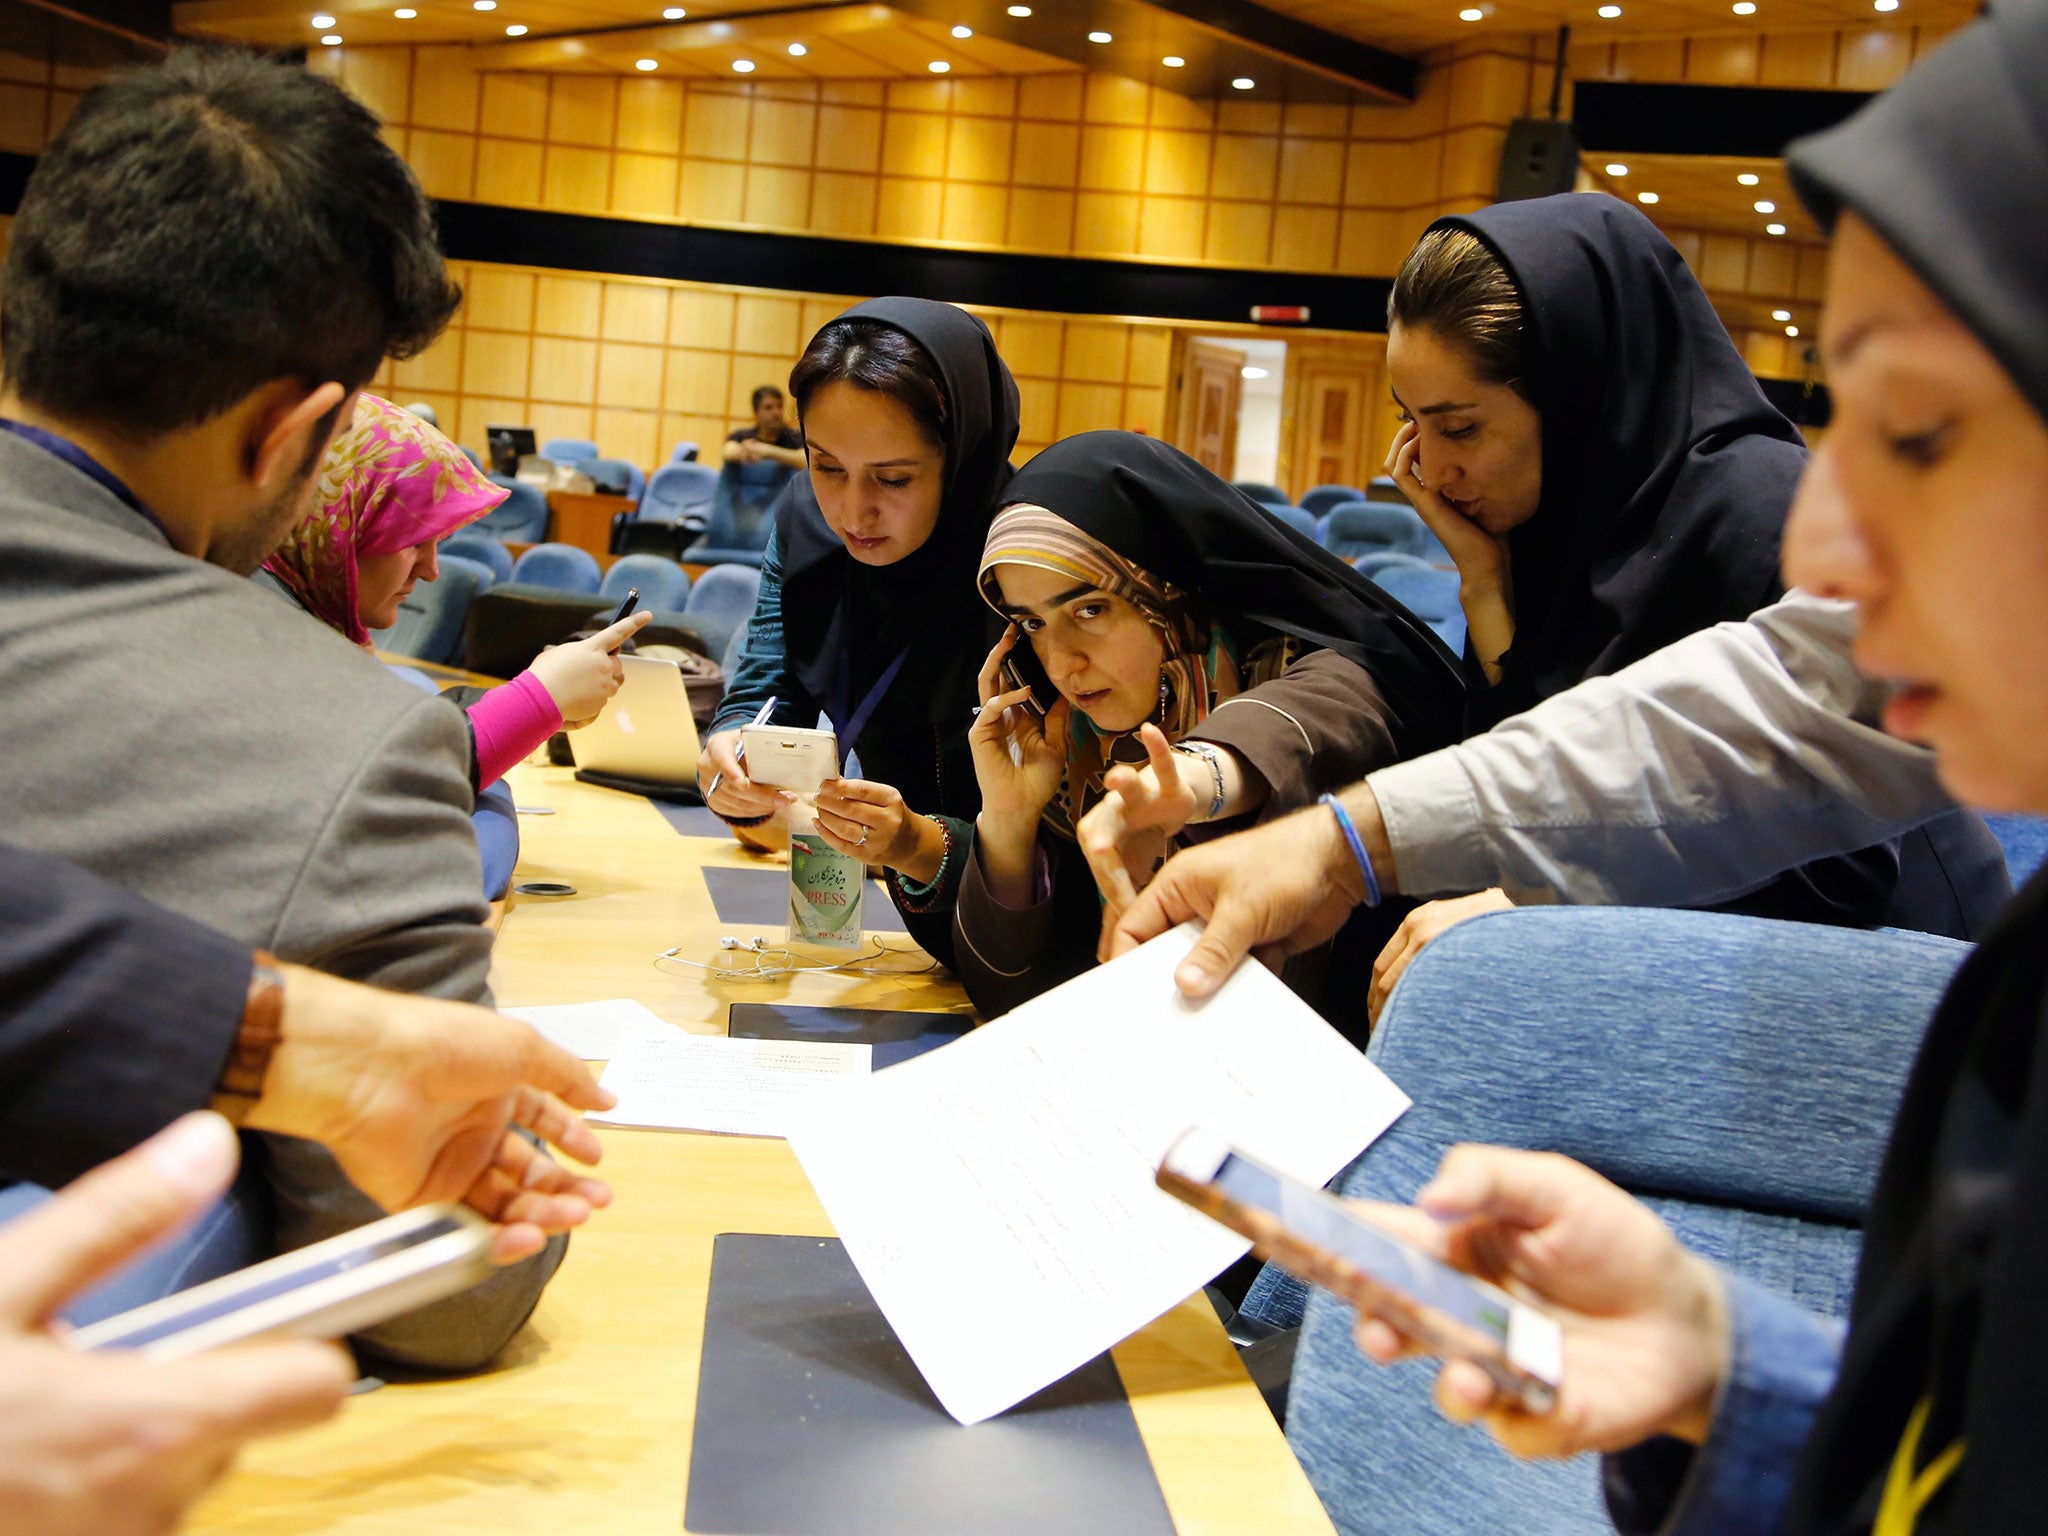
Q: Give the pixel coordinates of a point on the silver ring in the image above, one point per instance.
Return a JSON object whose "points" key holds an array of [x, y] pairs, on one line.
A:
{"points": [[863, 841]]}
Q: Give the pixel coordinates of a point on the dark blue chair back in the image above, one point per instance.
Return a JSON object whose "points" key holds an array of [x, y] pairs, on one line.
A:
{"points": [[663, 584], [1271, 495], [2025, 841], [521, 518], [567, 450], [677, 491], [430, 620], [616, 476], [1322, 498], [561, 566], [483, 549], [721, 600], [1300, 520], [1428, 593], [1363, 527]]}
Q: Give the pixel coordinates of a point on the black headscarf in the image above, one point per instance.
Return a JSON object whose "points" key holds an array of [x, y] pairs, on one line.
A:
{"points": [[1667, 475], [1166, 514], [1950, 168], [845, 622]]}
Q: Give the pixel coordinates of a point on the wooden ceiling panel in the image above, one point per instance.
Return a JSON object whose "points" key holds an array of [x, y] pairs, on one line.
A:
{"points": [[1702, 192], [1411, 26]]}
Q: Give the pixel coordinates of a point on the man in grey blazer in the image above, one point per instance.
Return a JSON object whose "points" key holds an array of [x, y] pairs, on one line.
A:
{"points": [[212, 258]]}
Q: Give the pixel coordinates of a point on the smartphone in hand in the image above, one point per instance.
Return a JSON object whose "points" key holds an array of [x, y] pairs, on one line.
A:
{"points": [[632, 601], [1329, 1244]]}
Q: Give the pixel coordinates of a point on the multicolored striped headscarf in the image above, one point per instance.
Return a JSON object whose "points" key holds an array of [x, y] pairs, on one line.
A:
{"points": [[389, 482], [1199, 672]]}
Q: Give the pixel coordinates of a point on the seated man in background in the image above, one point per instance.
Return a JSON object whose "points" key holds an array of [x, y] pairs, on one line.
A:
{"points": [[213, 257], [758, 462]]}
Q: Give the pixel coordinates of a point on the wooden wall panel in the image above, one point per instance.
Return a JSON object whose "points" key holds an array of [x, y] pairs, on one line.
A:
{"points": [[1066, 164]]}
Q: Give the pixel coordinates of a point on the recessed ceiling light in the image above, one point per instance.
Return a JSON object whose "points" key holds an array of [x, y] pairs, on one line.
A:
{"points": [[1774, 229], [332, 39], [1616, 168], [515, 30], [938, 66], [1609, 12], [1250, 372], [1472, 13], [1646, 197], [1746, 179], [483, 5], [963, 31], [674, 13], [1020, 10], [1243, 83], [322, 22], [405, 13], [1884, 5], [645, 64], [1765, 206], [1173, 61], [1791, 330], [1100, 37], [1781, 314], [743, 66], [797, 50], [1745, 7]]}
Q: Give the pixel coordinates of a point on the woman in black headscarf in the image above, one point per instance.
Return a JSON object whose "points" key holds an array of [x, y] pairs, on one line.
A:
{"points": [[1583, 437], [1195, 664], [865, 611], [1928, 506]]}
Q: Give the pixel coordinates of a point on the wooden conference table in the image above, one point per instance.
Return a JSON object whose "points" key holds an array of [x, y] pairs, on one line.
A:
{"points": [[585, 1427]]}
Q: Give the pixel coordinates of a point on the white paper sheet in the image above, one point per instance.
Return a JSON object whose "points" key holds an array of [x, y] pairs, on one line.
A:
{"points": [[997, 1196], [677, 1082], [591, 1031]]}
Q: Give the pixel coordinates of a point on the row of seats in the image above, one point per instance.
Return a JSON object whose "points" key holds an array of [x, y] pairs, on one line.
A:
{"points": [[432, 620], [1319, 500]]}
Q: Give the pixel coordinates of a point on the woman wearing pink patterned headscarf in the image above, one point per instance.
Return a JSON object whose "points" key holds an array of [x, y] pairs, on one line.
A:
{"points": [[391, 489]]}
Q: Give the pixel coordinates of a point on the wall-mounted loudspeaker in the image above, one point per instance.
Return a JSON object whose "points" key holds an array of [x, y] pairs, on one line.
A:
{"points": [[1541, 157]]}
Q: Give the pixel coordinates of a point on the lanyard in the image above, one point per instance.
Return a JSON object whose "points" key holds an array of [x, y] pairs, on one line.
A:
{"points": [[858, 721], [86, 464], [1906, 1494]]}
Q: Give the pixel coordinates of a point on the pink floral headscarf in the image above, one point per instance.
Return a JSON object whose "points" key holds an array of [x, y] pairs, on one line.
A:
{"points": [[389, 482]]}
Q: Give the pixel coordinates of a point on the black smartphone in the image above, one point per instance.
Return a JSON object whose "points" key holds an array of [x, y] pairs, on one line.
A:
{"points": [[632, 601], [1022, 669]]}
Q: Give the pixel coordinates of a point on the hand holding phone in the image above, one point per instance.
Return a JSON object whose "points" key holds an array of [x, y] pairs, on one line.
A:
{"points": [[1327, 1243]]}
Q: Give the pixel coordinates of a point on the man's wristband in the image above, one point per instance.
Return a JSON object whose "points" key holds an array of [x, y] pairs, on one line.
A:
{"points": [[1345, 824], [248, 1063]]}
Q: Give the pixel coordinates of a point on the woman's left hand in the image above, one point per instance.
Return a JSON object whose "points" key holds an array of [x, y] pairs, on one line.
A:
{"points": [[868, 821], [1425, 923], [1124, 835]]}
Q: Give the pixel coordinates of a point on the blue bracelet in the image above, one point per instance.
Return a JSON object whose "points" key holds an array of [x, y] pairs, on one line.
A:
{"points": [[1372, 883]]}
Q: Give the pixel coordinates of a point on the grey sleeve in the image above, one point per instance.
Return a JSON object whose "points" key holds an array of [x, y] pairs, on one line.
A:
{"points": [[1695, 775], [392, 891], [392, 894]]}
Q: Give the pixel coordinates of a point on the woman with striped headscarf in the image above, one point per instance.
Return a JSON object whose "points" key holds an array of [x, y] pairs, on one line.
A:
{"points": [[1177, 662]]}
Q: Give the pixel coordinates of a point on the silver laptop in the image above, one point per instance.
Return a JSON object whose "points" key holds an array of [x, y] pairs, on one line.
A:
{"points": [[646, 730]]}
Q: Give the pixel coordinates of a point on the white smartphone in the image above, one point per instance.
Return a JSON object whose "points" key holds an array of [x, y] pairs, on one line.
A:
{"points": [[1327, 1243], [326, 1291], [790, 757]]}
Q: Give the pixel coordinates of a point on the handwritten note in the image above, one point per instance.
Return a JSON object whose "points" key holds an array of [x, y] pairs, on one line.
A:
{"points": [[677, 1082], [998, 1196]]}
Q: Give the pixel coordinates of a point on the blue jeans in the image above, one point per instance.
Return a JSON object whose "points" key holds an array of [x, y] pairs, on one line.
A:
{"points": [[1738, 1074], [234, 1233]]}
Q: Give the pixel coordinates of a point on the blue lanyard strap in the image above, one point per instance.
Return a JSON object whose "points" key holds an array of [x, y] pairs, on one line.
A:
{"points": [[86, 464], [858, 721]]}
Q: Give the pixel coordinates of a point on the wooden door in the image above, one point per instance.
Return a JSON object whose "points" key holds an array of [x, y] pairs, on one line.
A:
{"points": [[1336, 404], [1211, 388]]}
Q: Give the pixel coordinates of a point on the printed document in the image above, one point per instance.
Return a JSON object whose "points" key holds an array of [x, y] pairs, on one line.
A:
{"points": [[591, 1031], [998, 1196], [676, 1082]]}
